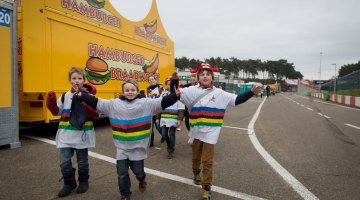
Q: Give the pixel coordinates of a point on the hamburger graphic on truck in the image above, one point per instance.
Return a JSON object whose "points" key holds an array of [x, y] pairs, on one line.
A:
{"points": [[96, 3], [96, 71]]}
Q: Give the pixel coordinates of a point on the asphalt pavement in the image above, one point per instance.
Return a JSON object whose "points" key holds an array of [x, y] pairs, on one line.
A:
{"points": [[293, 147]]}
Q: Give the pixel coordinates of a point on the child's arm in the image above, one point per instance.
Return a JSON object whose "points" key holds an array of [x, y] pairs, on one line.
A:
{"points": [[88, 99], [181, 111], [181, 114], [168, 100], [91, 113], [100, 105], [91, 89], [241, 98], [174, 82], [51, 103]]}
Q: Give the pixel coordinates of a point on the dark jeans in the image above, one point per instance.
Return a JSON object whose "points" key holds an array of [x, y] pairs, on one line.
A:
{"points": [[123, 174], [82, 160], [152, 131], [168, 133], [156, 125]]}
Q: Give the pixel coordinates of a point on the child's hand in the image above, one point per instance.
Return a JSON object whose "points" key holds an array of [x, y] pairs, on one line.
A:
{"points": [[79, 94], [51, 103], [178, 123], [83, 89], [51, 96], [175, 76], [256, 89]]}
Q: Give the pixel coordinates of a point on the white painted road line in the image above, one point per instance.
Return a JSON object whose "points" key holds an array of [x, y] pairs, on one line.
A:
{"points": [[180, 179], [309, 109], [291, 180], [235, 128], [324, 115], [353, 126]]}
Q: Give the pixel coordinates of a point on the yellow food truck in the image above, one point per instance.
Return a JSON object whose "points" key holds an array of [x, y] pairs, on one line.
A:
{"points": [[54, 35]]}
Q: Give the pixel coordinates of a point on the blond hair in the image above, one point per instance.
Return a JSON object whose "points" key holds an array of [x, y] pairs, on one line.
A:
{"points": [[76, 70], [131, 81]]}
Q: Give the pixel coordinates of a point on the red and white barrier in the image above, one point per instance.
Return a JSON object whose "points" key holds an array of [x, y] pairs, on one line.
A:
{"points": [[341, 99]]}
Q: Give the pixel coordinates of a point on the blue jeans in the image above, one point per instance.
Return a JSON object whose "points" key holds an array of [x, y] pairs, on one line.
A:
{"points": [[66, 165], [168, 133], [122, 167]]}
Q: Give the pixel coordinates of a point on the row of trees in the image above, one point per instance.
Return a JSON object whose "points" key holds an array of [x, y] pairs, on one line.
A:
{"points": [[347, 69], [246, 69]]}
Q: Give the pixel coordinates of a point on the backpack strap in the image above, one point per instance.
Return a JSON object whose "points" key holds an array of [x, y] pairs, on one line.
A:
{"points": [[63, 97], [199, 97]]}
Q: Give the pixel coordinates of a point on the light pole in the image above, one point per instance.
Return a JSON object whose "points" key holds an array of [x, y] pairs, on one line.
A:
{"points": [[320, 72], [334, 81]]}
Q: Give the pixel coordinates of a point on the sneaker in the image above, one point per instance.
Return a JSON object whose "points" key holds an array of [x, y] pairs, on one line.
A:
{"points": [[206, 193], [178, 128], [197, 179], [142, 185], [170, 156]]}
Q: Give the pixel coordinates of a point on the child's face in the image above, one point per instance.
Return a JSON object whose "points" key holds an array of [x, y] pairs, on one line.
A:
{"points": [[130, 91], [167, 83], [152, 80], [193, 80], [76, 80], [205, 78]]}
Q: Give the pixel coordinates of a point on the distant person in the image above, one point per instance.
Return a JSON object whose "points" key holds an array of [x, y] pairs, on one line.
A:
{"points": [[70, 139], [153, 91], [221, 86], [207, 105], [130, 120], [170, 119], [193, 81], [267, 91]]}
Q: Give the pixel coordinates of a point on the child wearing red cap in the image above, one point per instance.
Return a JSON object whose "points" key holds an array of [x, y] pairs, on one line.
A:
{"points": [[207, 105]]}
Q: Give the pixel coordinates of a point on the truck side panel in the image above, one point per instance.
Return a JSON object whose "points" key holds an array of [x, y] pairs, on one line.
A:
{"points": [[58, 34]]}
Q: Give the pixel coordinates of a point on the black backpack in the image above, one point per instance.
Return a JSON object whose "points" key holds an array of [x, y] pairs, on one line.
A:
{"points": [[78, 112]]}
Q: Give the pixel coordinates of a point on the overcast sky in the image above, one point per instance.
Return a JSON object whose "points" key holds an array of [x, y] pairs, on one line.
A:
{"points": [[295, 30]]}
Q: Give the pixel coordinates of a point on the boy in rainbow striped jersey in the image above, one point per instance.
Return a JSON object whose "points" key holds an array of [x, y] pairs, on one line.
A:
{"points": [[170, 119], [130, 119], [206, 118], [69, 139]]}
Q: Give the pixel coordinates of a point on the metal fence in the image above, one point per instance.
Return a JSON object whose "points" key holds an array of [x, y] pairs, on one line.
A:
{"points": [[348, 82]]}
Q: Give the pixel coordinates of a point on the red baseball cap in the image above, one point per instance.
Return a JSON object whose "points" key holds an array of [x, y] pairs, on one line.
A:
{"points": [[204, 66]]}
